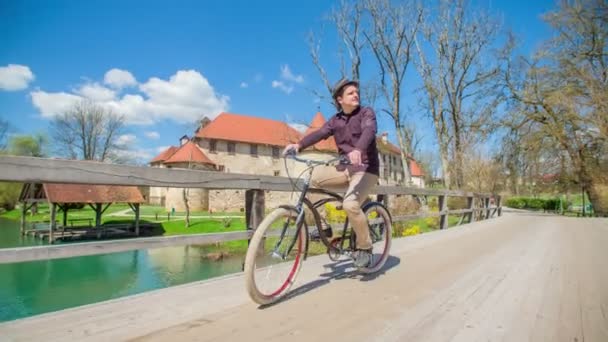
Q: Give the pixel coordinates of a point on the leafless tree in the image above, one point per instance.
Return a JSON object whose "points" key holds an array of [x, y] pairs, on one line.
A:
{"points": [[348, 21], [562, 92], [90, 132], [460, 79], [391, 38]]}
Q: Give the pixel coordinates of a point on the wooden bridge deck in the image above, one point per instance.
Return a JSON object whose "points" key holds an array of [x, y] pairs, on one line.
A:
{"points": [[521, 277]]}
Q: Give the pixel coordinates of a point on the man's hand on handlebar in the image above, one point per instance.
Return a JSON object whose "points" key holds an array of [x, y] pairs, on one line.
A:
{"points": [[291, 149]]}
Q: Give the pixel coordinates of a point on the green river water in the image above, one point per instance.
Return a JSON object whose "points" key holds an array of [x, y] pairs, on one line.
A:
{"points": [[32, 288]]}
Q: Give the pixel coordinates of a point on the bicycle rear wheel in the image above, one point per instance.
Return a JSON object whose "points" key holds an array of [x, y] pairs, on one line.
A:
{"points": [[272, 263], [381, 230]]}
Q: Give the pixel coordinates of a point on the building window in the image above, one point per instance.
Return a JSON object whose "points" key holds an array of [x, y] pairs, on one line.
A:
{"points": [[275, 152], [212, 146], [253, 150], [221, 168], [231, 148], [387, 174], [277, 173]]}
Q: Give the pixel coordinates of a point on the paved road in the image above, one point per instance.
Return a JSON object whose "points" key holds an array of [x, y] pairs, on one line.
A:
{"points": [[521, 277]]}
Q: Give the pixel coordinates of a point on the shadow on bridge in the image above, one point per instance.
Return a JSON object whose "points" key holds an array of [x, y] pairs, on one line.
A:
{"points": [[342, 269]]}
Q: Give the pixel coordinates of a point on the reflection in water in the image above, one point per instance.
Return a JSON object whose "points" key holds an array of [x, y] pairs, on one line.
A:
{"points": [[36, 287]]}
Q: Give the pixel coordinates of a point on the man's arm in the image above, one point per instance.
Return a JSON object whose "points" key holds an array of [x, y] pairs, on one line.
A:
{"points": [[322, 133]]}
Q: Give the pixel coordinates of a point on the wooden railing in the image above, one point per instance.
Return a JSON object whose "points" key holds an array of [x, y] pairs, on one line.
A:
{"points": [[41, 170]]}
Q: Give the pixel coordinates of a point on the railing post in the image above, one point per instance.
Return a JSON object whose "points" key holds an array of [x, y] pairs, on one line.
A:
{"points": [[52, 223], [382, 198], [23, 214], [136, 219], [487, 207], [443, 207], [254, 208], [471, 206], [499, 205]]}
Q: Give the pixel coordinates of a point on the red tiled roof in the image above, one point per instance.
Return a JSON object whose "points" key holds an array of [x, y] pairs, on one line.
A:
{"points": [[249, 129], [388, 146], [415, 169], [164, 155], [189, 152], [90, 193], [328, 144]]}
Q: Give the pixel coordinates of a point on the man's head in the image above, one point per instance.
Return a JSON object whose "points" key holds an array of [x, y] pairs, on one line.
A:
{"points": [[346, 94]]}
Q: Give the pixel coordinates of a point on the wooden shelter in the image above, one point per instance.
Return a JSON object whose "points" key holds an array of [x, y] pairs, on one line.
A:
{"points": [[63, 196]]}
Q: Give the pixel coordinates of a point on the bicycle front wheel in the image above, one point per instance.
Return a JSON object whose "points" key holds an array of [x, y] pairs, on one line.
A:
{"points": [[380, 230], [274, 258]]}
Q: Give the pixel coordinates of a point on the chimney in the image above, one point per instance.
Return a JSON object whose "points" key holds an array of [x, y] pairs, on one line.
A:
{"points": [[183, 140], [384, 137]]}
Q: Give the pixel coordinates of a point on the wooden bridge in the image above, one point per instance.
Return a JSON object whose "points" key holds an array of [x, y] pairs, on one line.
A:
{"points": [[519, 277]]}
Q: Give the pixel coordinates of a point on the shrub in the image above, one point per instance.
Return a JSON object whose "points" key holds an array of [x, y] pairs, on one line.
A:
{"points": [[414, 230], [516, 202], [333, 214]]}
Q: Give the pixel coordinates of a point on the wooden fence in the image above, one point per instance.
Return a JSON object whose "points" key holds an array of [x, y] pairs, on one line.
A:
{"points": [[41, 170]]}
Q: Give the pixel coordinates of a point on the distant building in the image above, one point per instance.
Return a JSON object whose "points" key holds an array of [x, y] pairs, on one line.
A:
{"points": [[245, 144]]}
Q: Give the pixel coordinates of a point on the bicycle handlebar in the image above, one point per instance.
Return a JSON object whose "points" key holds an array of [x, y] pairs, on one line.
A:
{"points": [[339, 160]]}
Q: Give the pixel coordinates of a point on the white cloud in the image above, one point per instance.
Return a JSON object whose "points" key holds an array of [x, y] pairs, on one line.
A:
{"points": [[162, 148], [118, 78], [126, 139], [96, 92], [285, 88], [51, 104], [184, 98], [137, 156], [287, 75], [15, 77], [152, 135], [244, 85]]}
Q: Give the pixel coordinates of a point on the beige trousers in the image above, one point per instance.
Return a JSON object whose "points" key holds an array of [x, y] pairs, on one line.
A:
{"points": [[360, 184]]}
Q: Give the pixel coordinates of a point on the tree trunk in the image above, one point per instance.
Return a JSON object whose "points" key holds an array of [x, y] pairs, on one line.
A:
{"points": [[407, 176], [185, 197]]}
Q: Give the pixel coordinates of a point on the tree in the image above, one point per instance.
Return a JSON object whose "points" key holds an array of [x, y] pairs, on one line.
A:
{"points": [[561, 93], [460, 80], [21, 145], [90, 132], [28, 145], [391, 38]]}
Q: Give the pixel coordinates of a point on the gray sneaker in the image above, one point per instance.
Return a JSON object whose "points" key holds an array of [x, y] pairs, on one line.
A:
{"points": [[363, 258]]}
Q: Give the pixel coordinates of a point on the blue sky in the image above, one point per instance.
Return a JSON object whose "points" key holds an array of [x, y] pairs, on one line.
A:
{"points": [[163, 66]]}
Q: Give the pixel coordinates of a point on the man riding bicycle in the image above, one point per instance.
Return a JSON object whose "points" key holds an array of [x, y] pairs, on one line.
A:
{"points": [[354, 129]]}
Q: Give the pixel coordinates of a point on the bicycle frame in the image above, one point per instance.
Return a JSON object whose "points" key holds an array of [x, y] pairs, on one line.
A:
{"points": [[313, 206]]}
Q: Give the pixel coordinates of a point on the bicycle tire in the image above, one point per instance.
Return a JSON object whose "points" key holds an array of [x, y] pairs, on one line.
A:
{"points": [[381, 231], [259, 266]]}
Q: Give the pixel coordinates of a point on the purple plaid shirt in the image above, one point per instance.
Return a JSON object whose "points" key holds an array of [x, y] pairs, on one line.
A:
{"points": [[354, 131]]}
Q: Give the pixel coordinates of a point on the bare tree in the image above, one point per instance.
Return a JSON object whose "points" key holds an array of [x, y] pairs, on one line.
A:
{"points": [[562, 92], [460, 79], [348, 20], [90, 132], [391, 39]]}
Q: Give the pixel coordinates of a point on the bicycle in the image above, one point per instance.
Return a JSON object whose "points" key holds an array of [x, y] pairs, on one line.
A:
{"points": [[271, 273]]}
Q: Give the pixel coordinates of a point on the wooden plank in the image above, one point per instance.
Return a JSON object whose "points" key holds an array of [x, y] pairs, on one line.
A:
{"points": [[443, 207], [36, 170]]}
